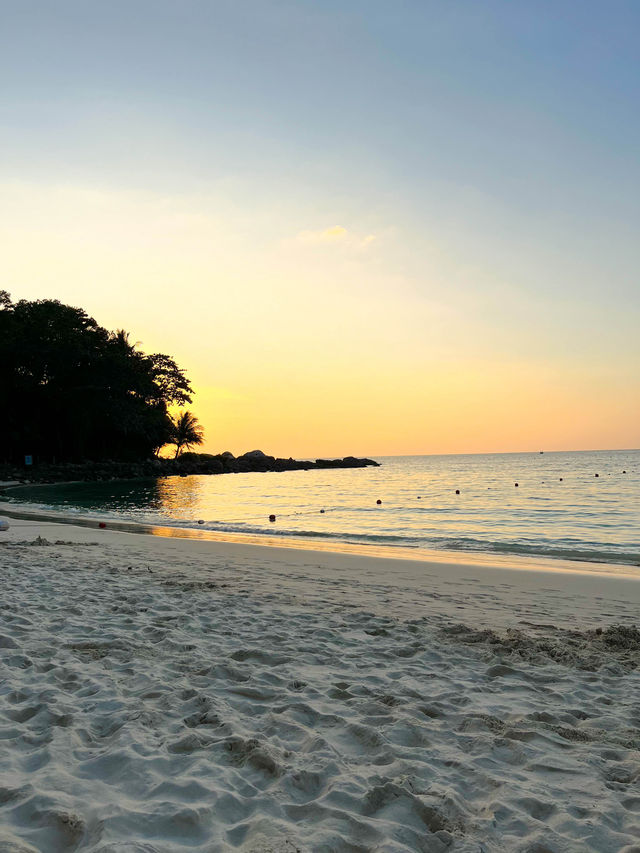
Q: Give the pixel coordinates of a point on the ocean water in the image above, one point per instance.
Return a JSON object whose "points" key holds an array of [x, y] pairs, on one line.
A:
{"points": [[575, 506]]}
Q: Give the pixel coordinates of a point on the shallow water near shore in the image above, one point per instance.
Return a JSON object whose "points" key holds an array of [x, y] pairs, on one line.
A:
{"points": [[558, 509]]}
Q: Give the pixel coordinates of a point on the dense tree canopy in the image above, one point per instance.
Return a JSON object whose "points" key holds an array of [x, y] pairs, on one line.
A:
{"points": [[71, 390]]}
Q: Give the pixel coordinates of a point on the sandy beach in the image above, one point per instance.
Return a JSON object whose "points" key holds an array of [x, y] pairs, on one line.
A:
{"points": [[166, 695]]}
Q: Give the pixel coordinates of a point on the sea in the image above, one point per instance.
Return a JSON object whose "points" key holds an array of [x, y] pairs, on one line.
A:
{"points": [[558, 505]]}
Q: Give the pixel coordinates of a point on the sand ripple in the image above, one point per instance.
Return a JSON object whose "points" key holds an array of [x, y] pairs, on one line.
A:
{"points": [[145, 714]]}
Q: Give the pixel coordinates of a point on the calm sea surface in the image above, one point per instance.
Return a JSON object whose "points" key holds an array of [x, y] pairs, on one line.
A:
{"points": [[559, 508]]}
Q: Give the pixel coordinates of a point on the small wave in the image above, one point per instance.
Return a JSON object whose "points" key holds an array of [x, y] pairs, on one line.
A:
{"points": [[567, 522], [566, 551]]}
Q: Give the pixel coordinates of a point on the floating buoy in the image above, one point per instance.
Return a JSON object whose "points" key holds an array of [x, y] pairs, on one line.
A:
{"points": [[321, 510], [516, 485], [624, 472], [200, 521], [596, 475], [101, 525], [378, 501], [418, 497], [560, 479], [457, 491], [272, 518], [4, 524]]}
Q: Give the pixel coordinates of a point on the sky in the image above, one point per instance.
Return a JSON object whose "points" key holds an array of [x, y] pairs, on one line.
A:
{"points": [[362, 227]]}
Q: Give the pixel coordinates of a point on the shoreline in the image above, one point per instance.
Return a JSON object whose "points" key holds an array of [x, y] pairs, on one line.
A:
{"points": [[508, 562], [189, 463], [456, 570]]}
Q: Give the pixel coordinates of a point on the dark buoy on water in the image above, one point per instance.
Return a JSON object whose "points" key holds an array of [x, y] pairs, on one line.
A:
{"points": [[272, 518], [624, 472], [378, 501], [560, 479], [516, 485], [596, 475], [418, 497], [457, 491], [321, 510], [200, 521]]}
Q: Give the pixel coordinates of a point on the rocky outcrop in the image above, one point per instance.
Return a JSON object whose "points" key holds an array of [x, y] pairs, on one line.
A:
{"points": [[256, 460], [255, 454], [186, 464], [347, 462]]}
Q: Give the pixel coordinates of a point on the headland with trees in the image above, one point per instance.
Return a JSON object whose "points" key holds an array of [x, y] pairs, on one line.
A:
{"points": [[78, 401]]}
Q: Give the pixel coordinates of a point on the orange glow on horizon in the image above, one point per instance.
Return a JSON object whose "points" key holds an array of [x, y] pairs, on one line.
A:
{"points": [[327, 341]]}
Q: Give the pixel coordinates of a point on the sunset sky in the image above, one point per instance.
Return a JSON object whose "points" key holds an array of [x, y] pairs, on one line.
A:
{"points": [[362, 227]]}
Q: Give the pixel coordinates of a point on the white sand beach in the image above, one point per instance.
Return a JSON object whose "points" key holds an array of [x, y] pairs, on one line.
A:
{"points": [[162, 695]]}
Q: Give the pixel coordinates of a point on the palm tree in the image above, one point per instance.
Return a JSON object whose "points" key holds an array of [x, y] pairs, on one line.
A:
{"points": [[187, 432]]}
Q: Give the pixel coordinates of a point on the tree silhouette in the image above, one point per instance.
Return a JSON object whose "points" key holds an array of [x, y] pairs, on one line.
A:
{"points": [[187, 432], [73, 391]]}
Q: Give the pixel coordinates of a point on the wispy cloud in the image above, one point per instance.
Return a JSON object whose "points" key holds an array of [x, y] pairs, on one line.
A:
{"points": [[337, 235]]}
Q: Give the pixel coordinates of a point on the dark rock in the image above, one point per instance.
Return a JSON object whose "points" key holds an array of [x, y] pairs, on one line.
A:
{"points": [[186, 464], [347, 462]]}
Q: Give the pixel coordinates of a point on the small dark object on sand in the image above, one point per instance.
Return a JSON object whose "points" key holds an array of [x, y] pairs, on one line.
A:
{"points": [[622, 636]]}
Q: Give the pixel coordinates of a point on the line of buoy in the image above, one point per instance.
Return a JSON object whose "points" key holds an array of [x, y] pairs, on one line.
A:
{"points": [[272, 517]]}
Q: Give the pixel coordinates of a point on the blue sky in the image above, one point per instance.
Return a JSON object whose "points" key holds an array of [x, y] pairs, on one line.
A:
{"points": [[490, 148]]}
